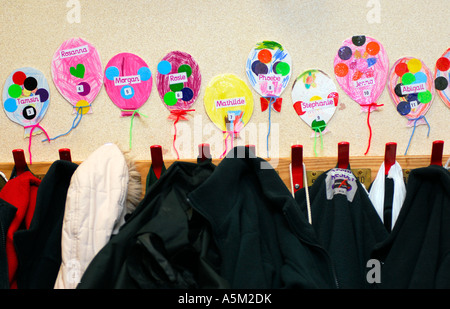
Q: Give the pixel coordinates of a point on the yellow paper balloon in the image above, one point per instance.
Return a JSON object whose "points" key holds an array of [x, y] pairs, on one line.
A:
{"points": [[226, 93]]}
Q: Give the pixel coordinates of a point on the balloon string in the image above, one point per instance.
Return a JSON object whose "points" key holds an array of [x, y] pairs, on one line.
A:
{"points": [[132, 119], [231, 135], [272, 100], [177, 115], [319, 128], [75, 123], [414, 128], [31, 135], [368, 123]]}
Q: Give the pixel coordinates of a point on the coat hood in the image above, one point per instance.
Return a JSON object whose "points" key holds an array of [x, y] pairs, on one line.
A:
{"points": [[104, 188]]}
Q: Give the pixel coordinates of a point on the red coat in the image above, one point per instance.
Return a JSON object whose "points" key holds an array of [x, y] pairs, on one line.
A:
{"points": [[20, 192]]}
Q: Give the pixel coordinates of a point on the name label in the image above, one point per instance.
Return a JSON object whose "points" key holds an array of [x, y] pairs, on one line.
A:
{"points": [[230, 102], [414, 88], [127, 80], [317, 104], [33, 99], [364, 82], [67, 53], [178, 78]]}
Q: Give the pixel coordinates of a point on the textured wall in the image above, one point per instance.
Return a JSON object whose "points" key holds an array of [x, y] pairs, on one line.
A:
{"points": [[220, 35]]}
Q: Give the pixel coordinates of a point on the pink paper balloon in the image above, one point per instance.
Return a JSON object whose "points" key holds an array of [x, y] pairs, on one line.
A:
{"points": [[77, 72], [128, 82], [361, 67], [178, 80]]}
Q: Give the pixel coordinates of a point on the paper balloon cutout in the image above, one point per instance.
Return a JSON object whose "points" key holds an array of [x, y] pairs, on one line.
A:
{"points": [[442, 77], [411, 88], [361, 68], [178, 82], [315, 99], [128, 83], [269, 68], [26, 97], [78, 75], [229, 104]]}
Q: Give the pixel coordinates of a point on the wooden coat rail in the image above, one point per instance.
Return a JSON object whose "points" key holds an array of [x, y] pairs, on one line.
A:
{"points": [[364, 167]]}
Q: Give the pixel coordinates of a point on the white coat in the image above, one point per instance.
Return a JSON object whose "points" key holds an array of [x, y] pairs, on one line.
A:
{"points": [[101, 190]]}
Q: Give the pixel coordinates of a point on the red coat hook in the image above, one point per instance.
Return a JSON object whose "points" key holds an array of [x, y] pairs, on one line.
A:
{"points": [[19, 161], [437, 152], [157, 159], [389, 156], [343, 154], [297, 167], [204, 152], [64, 154], [252, 148]]}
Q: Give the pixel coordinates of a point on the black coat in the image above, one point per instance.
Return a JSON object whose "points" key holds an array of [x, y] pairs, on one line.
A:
{"points": [[417, 252], [345, 222], [263, 238], [164, 243], [39, 248]]}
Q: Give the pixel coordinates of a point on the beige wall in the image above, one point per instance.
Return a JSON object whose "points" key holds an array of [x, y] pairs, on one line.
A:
{"points": [[220, 35]]}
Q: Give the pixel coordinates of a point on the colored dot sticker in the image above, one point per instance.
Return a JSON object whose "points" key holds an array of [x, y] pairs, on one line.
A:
{"points": [[127, 92], [408, 78], [83, 89], [401, 69], [144, 73], [259, 68], [404, 108], [29, 112], [420, 77], [30, 83], [345, 53], [170, 98], [164, 67], [414, 65], [112, 72], [373, 48], [359, 40], [186, 69], [176, 87], [341, 69], [424, 97], [14, 91], [82, 106], [441, 83], [10, 105], [18, 78], [398, 90], [265, 56], [282, 68], [443, 64], [43, 94], [188, 94]]}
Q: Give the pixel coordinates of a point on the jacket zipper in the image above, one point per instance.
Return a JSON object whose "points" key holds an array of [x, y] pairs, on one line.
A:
{"points": [[330, 262]]}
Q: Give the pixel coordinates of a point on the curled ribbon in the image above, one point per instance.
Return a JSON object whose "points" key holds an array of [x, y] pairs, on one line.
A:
{"points": [[368, 122], [75, 122], [177, 115], [37, 125], [134, 111], [414, 128]]}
